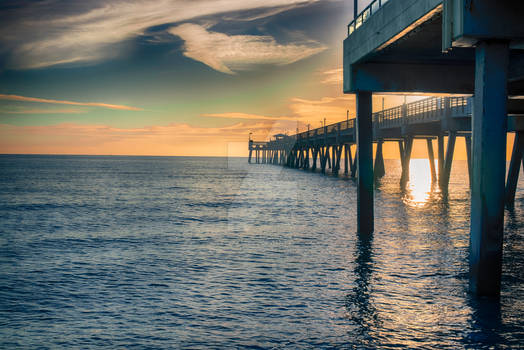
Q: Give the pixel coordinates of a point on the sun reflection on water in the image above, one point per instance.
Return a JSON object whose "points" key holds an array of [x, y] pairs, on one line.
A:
{"points": [[419, 189]]}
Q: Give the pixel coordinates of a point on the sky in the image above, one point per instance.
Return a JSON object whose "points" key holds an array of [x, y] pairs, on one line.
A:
{"points": [[169, 77]]}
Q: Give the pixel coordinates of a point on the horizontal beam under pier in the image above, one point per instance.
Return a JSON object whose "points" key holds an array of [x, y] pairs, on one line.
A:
{"points": [[395, 77]]}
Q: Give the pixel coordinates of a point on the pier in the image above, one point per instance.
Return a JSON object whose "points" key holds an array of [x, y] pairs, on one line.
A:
{"points": [[453, 47], [333, 148]]}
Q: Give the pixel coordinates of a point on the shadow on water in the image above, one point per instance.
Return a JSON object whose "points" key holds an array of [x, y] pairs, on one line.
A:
{"points": [[486, 322], [495, 321], [360, 308]]}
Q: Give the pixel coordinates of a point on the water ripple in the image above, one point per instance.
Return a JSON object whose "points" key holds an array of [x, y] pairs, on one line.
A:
{"points": [[138, 252]]}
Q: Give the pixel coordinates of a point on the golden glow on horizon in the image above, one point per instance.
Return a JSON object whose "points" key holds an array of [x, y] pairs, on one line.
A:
{"points": [[173, 139]]}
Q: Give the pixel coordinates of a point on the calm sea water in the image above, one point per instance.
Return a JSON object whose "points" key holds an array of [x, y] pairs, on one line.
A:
{"points": [[161, 252]]}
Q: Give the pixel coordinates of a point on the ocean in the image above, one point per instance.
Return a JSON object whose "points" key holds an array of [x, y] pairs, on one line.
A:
{"points": [[189, 252]]}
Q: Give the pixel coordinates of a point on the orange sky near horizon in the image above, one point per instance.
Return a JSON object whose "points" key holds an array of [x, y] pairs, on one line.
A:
{"points": [[173, 140]]}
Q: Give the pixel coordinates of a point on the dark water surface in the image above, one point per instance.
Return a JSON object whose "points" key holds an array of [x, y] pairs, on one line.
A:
{"points": [[147, 252]]}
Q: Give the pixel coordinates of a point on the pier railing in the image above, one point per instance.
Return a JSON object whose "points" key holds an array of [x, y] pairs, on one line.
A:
{"points": [[365, 15], [432, 109]]}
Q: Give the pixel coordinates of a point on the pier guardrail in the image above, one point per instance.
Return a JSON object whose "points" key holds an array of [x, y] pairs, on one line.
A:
{"points": [[432, 109], [365, 14]]}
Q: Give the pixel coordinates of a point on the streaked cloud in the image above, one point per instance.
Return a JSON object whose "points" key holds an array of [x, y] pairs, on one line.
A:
{"points": [[42, 34], [172, 139], [230, 53], [302, 112], [63, 102], [235, 115], [44, 111], [334, 109], [332, 76]]}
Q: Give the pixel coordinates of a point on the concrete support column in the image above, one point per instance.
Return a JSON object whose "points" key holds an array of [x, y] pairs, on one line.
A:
{"points": [[379, 169], [448, 161], [514, 167], [328, 157], [401, 152], [346, 160], [307, 158], [353, 163], [323, 159], [405, 159], [314, 153], [467, 140], [334, 159], [440, 151], [365, 215], [489, 126], [431, 157], [339, 156]]}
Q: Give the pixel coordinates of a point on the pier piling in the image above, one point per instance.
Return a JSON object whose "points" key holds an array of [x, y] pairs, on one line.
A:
{"points": [[514, 167], [440, 155], [431, 158], [379, 168], [489, 162], [365, 216], [448, 161]]}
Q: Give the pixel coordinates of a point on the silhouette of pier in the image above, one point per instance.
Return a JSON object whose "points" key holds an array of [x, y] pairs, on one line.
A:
{"points": [[329, 148], [453, 47]]}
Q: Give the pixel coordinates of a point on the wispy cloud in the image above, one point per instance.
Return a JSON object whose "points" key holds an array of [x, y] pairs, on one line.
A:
{"points": [[332, 108], [229, 53], [172, 139], [41, 34], [333, 76], [45, 111], [63, 102], [235, 115], [302, 113]]}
